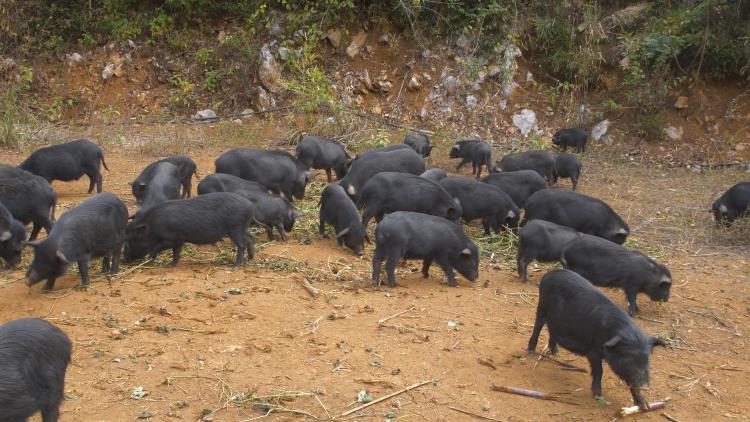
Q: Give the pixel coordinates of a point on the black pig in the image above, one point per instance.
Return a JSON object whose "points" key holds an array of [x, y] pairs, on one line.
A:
{"points": [[163, 186], [419, 142], [321, 153], [434, 174], [584, 321], [389, 192], [29, 198], [404, 160], [479, 153], [482, 200], [519, 185], [608, 264], [202, 220], [278, 171], [186, 168], [575, 138], [410, 235], [34, 356], [12, 236], [338, 210], [68, 161], [273, 212], [732, 204], [543, 241], [94, 228], [220, 182], [540, 161], [581, 212], [567, 165]]}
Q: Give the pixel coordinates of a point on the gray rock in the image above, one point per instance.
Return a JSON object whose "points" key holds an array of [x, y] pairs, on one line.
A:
{"points": [[7, 64], [206, 114], [494, 71], [471, 101], [263, 100], [73, 58], [463, 42], [334, 37], [451, 85], [600, 130], [524, 121], [108, 72], [275, 30], [503, 104], [413, 84], [673, 133], [356, 45], [269, 71]]}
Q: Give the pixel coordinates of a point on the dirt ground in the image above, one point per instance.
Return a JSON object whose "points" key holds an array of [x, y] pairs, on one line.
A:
{"points": [[205, 341]]}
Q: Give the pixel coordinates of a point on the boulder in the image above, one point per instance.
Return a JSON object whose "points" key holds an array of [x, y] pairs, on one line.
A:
{"points": [[206, 114], [269, 71], [681, 103], [356, 45], [600, 130], [524, 121]]}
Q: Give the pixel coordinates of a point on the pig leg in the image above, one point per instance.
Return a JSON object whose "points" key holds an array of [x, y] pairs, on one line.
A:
{"points": [[479, 169], [448, 270], [426, 267], [35, 231], [238, 238], [250, 246], [51, 413], [367, 215], [83, 268], [575, 182], [630, 295], [115, 267], [280, 229], [49, 285], [523, 266], [322, 226], [392, 260], [377, 260], [92, 184], [105, 264], [269, 230], [461, 164], [486, 225], [596, 374], [176, 251], [538, 325], [638, 398], [328, 175]]}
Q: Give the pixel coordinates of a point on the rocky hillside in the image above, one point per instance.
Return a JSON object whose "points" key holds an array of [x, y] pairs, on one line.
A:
{"points": [[499, 85]]}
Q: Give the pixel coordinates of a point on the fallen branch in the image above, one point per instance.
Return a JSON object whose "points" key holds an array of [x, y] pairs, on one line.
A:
{"points": [[310, 289], [565, 365], [530, 393], [401, 391], [380, 322], [634, 410], [466, 412]]}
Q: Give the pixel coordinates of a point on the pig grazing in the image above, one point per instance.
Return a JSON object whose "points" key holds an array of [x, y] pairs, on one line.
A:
{"points": [[68, 161], [543, 241], [95, 228], [12, 236], [410, 235], [404, 160], [186, 168], [581, 212], [434, 174], [482, 200], [479, 153], [34, 356], [575, 138], [540, 161], [202, 220], [567, 165], [732, 204], [29, 198], [608, 264], [419, 142], [338, 210], [519, 185], [584, 321], [163, 186], [321, 153], [389, 192], [273, 212], [278, 171], [220, 182]]}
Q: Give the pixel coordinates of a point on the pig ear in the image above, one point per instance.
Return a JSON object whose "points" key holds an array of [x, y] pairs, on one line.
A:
{"points": [[5, 236], [61, 257], [33, 243], [612, 342], [656, 341], [665, 281], [466, 252], [342, 233]]}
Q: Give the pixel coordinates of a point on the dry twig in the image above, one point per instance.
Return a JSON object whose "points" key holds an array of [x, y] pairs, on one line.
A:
{"points": [[401, 391]]}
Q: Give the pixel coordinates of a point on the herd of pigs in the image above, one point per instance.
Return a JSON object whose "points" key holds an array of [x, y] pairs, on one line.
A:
{"points": [[417, 212]]}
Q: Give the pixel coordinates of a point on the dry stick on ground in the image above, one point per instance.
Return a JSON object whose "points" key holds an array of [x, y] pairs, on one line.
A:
{"points": [[670, 418], [530, 393], [634, 410], [381, 321], [401, 391], [565, 365], [310, 289], [466, 412]]}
